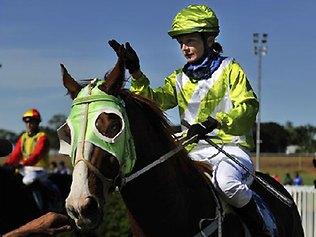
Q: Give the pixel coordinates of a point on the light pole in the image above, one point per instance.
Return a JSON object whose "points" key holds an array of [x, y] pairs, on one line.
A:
{"points": [[260, 49]]}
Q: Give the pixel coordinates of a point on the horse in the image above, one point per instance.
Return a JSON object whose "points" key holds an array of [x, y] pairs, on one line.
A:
{"points": [[117, 139], [17, 205]]}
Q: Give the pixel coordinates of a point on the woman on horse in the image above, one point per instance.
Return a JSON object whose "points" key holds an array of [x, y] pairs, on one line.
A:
{"points": [[214, 97]]}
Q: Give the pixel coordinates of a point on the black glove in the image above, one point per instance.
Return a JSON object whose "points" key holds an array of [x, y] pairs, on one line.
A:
{"points": [[115, 46], [131, 58], [201, 129]]}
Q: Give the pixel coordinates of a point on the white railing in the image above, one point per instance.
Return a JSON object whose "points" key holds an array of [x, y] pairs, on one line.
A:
{"points": [[305, 199]]}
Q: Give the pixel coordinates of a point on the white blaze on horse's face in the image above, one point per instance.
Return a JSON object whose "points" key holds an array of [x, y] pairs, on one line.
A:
{"points": [[98, 125]]}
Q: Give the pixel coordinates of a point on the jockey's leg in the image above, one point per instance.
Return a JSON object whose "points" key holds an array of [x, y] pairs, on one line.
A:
{"points": [[29, 180], [253, 219], [53, 195], [233, 182], [46, 194]]}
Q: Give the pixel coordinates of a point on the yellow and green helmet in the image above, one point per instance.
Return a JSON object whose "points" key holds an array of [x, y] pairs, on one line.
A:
{"points": [[194, 18]]}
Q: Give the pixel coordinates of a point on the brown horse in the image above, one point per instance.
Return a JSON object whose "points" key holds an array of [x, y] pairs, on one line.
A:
{"points": [[112, 134]]}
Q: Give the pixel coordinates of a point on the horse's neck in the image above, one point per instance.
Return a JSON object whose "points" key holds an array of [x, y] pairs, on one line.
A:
{"points": [[172, 195]]}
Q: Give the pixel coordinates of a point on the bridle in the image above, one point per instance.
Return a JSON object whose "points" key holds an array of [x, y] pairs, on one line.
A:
{"points": [[106, 182]]}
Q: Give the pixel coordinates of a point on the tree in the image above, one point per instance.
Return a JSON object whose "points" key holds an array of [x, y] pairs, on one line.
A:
{"points": [[52, 137], [305, 138], [11, 136], [51, 130], [56, 121], [274, 137]]}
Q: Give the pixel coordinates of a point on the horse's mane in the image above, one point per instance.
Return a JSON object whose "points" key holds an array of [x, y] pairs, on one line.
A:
{"points": [[163, 125], [154, 113], [180, 183]]}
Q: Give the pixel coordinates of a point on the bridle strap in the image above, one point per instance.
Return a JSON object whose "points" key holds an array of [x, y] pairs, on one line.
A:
{"points": [[151, 165], [105, 181], [162, 159]]}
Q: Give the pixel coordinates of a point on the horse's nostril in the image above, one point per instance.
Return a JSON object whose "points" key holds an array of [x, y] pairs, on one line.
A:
{"points": [[90, 206]]}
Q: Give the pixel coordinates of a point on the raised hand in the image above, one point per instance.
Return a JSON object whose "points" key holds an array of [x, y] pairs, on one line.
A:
{"points": [[115, 46], [131, 59], [130, 56]]}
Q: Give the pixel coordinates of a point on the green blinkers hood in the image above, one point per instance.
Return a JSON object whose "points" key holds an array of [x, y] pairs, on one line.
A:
{"points": [[86, 108]]}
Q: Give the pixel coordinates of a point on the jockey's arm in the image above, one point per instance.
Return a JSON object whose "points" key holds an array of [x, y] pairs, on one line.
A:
{"points": [[39, 150], [16, 154]]}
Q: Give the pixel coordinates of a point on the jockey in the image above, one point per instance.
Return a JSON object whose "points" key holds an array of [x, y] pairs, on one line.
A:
{"points": [[32, 146], [214, 96], [31, 152]]}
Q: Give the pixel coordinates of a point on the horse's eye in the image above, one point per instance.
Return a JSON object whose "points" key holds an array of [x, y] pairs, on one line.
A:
{"points": [[109, 125], [115, 127]]}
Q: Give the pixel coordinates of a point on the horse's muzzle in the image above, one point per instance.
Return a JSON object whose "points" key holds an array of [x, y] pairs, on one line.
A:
{"points": [[87, 215]]}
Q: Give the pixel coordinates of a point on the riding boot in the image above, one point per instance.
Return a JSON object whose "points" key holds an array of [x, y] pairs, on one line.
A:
{"points": [[251, 216]]}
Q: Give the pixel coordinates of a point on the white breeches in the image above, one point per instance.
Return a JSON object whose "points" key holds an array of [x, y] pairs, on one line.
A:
{"points": [[229, 179], [32, 173]]}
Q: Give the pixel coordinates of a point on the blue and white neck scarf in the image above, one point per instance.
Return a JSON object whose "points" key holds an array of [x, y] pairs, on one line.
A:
{"points": [[204, 68]]}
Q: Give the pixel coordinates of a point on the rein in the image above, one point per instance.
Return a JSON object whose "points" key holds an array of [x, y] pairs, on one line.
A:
{"points": [[162, 159]]}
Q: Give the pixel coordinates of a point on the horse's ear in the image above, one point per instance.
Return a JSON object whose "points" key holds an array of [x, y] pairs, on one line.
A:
{"points": [[70, 84], [115, 79]]}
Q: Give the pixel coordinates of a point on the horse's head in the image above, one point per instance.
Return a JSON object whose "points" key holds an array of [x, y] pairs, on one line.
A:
{"points": [[98, 140]]}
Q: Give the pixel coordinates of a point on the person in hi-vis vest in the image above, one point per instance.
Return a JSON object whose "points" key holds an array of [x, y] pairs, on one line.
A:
{"points": [[31, 149], [214, 98]]}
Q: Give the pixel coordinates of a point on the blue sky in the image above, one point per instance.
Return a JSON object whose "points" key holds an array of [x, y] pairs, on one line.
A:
{"points": [[37, 35]]}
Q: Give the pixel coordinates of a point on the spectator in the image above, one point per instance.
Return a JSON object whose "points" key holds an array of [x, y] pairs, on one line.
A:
{"points": [[298, 180], [276, 177], [53, 167], [288, 179], [63, 169]]}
